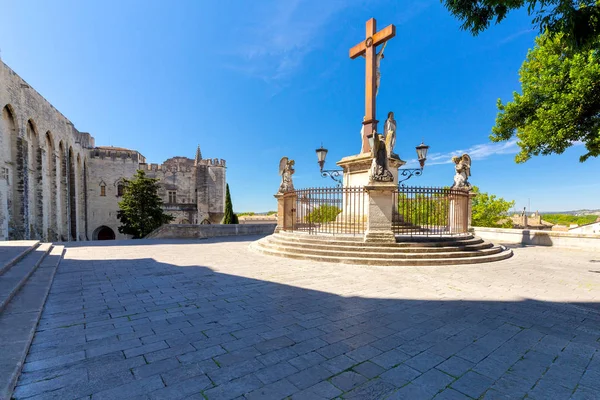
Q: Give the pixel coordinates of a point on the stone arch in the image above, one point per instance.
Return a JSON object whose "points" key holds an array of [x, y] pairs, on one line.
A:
{"points": [[52, 189], [205, 221], [103, 233], [12, 213], [63, 195], [72, 194], [34, 183]]}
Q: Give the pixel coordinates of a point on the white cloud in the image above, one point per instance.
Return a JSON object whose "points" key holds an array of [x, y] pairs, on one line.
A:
{"points": [[477, 152]]}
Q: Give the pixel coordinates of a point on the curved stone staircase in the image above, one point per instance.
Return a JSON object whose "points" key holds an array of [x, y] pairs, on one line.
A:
{"points": [[352, 250]]}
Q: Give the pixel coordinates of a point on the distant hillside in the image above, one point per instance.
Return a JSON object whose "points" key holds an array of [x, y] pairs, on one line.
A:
{"points": [[574, 212]]}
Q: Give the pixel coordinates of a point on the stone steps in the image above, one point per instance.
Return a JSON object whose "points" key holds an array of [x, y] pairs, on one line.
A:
{"points": [[25, 287], [441, 251], [397, 254], [15, 277], [472, 245], [12, 251], [402, 242]]}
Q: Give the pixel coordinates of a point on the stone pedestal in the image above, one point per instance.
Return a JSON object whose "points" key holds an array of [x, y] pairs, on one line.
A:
{"points": [[459, 213], [286, 211], [356, 168], [379, 210]]}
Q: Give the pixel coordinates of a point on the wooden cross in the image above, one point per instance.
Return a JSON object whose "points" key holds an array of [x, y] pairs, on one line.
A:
{"points": [[367, 49]]}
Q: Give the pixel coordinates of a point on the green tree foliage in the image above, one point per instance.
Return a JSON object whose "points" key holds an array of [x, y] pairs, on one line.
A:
{"points": [[229, 217], [488, 210], [140, 210], [421, 209], [271, 212], [566, 219], [324, 213], [560, 104], [560, 100], [247, 214], [577, 20]]}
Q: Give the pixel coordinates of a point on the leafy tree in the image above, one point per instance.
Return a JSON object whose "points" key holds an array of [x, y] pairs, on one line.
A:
{"points": [[140, 211], [488, 210], [271, 212], [560, 100], [560, 104], [577, 20], [229, 217], [249, 214], [324, 213]]}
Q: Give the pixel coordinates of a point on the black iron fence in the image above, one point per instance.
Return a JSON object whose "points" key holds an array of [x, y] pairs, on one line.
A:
{"points": [[430, 211], [338, 210]]}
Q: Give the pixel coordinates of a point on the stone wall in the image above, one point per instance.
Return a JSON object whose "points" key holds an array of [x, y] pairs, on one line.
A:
{"points": [[108, 169], [56, 185], [540, 238], [42, 163], [173, 231]]}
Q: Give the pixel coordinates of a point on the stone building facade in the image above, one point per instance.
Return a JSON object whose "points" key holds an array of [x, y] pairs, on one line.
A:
{"points": [[55, 184]]}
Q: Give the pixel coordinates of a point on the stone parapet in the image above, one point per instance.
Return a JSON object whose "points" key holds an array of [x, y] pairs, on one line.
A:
{"points": [[540, 238], [173, 231]]}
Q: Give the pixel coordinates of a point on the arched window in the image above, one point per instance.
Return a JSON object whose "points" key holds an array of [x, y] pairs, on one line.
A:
{"points": [[102, 189], [120, 189]]}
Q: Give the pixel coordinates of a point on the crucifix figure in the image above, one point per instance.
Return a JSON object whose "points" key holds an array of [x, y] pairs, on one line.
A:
{"points": [[372, 59]]}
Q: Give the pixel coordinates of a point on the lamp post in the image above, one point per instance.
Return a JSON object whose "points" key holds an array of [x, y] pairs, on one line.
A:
{"points": [[335, 174], [410, 172]]}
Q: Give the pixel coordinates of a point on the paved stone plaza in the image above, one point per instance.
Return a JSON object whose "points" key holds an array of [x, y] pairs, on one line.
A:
{"points": [[212, 320]]}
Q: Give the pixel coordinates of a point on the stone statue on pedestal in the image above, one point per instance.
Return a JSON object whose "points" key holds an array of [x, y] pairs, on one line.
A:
{"points": [[286, 170], [463, 172], [379, 171], [389, 129]]}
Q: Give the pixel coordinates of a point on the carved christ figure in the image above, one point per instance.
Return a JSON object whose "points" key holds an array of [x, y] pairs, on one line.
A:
{"points": [[378, 59]]}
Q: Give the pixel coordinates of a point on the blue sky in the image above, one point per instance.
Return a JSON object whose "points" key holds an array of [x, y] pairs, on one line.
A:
{"points": [[252, 81]]}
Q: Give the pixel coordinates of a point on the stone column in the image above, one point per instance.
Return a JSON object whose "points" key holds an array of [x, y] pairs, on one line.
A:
{"points": [[286, 211], [379, 211], [459, 212]]}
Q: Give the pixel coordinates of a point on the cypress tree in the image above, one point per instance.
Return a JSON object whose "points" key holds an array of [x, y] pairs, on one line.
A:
{"points": [[229, 217]]}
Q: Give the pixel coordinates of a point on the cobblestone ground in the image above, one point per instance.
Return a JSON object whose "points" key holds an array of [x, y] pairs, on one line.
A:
{"points": [[212, 320]]}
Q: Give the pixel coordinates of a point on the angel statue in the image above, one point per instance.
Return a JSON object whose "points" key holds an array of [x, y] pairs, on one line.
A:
{"points": [[389, 129], [379, 166], [463, 172], [286, 170]]}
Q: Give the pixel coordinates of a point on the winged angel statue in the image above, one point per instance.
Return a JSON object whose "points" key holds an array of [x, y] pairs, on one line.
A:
{"points": [[463, 172], [286, 170]]}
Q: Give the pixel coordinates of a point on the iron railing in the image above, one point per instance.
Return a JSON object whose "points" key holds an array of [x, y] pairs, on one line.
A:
{"points": [[334, 211], [430, 211]]}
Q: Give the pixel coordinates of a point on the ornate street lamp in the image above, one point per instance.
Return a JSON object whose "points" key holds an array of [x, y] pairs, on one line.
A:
{"points": [[410, 172], [335, 174]]}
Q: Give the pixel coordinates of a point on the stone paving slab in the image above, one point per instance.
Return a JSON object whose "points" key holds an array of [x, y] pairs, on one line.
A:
{"points": [[212, 320]]}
